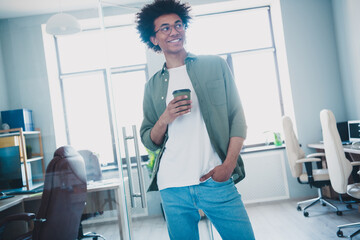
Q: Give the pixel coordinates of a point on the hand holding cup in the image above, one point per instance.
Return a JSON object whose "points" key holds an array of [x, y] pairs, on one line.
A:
{"points": [[182, 92], [180, 105]]}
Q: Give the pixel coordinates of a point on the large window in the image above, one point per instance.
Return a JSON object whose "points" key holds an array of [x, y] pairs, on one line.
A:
{"points": [[245, 39], [87, 113], [102, 77]]}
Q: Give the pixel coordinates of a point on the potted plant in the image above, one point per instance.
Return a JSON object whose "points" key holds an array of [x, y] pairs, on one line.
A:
{"points": [[152, 156]]}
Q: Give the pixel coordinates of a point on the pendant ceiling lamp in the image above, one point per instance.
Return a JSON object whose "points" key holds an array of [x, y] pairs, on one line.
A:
{"points": [[62, 24]]}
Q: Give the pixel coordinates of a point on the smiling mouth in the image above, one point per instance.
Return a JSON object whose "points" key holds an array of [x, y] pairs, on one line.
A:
{"points": [[175, 40]]}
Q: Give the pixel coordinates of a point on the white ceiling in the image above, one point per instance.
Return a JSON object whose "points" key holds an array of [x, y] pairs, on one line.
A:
{"points": [[21, 8]]}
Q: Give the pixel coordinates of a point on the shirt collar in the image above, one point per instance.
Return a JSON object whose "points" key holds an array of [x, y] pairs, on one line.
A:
{"points": [[189, 57]]}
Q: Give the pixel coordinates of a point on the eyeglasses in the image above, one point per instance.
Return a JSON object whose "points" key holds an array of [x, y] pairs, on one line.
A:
{"points": [[166, 29]]}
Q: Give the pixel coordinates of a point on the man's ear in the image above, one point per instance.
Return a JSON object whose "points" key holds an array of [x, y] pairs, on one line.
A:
{"points": [[153, 40]]}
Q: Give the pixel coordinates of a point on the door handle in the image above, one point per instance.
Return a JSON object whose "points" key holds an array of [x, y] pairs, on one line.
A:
{"points": [[133, 194]]}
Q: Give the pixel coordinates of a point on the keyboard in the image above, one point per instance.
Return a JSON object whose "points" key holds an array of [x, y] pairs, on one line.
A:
{"points": [[346, 143], [20, 192], [25, 192], [6, 197]]}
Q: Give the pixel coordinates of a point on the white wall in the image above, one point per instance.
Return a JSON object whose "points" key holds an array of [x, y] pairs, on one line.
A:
{"points": [[313, 64], [3, 85], [347, 19], [26, 76]]}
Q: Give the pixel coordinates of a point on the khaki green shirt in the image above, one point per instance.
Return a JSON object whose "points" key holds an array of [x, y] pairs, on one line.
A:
{"points": [[219, 104]]}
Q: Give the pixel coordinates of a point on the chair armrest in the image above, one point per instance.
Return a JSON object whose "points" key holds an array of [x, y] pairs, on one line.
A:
{"points": [[17, 217], [357, 163], [304, 160], [314, 155]]}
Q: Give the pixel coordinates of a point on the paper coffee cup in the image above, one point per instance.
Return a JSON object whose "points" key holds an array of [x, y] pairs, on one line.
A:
{"points": [[181, 92]]}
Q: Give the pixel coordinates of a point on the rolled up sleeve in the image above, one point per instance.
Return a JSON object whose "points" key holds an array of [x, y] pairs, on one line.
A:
{"points": [[237, 121]]}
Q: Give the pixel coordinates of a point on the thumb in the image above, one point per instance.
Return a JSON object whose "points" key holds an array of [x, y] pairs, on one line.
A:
{"points": [[206, 176]]}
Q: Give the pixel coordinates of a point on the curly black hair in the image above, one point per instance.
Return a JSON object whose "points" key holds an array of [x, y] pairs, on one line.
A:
{"points": [[147, 15]]}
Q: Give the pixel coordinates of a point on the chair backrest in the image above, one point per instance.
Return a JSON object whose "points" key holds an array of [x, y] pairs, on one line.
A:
{"points": [[293, 150], [339, 167], [92, 165], [63, 198]]}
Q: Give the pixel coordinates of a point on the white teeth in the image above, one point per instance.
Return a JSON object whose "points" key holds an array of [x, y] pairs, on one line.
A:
{"points": [[175, 40]]}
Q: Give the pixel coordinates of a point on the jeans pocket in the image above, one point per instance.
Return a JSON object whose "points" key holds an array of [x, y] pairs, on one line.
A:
{"points": [[220, 183]]}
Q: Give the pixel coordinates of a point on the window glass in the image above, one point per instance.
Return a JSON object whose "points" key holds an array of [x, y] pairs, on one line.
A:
{"points": [[256, 79], [128, 89], [87, 114], [230, 32], [244, 39], [124, 47], [81, 52], [93, 49]]}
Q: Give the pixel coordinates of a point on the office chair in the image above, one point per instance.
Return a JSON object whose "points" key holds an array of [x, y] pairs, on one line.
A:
{"points": [[314, 177], [339, 166], [63, 199], [92, 165]]}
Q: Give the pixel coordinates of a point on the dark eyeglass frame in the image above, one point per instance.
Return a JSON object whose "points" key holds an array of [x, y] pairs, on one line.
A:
{"points": [[181, 28]]}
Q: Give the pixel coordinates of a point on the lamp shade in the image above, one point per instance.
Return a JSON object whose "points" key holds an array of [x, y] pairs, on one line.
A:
{"points": [[62, 24]]}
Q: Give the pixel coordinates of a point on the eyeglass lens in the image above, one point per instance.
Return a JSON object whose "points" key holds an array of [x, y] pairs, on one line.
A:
{"points": [[167, 29]]}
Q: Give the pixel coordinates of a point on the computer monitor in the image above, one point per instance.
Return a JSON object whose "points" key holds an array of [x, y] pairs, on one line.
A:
{"points": [[10, 168], [343, 130], [354, 131]]}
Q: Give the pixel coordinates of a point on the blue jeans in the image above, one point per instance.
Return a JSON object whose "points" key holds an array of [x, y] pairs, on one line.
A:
{"points": [[221, 203]]}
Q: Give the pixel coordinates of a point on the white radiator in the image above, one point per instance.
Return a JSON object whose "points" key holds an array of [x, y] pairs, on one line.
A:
{"points": [[265, 179]]}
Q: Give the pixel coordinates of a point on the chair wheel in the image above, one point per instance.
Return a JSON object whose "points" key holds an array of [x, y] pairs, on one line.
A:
{"points": [[298, 208], [306, 214], [339, 213], [339, 233], [348, 206]]}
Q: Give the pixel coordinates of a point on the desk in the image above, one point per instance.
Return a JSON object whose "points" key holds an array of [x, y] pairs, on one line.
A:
{"points": [[351, 152], [10, 202], [95, 187]]}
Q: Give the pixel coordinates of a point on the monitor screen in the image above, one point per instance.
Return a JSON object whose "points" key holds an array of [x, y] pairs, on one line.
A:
{"points": [[354, 131], [10, 168], [343, 131]]}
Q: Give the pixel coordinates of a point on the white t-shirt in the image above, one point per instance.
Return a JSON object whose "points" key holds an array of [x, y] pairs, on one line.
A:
{"points": [[188, 152]]}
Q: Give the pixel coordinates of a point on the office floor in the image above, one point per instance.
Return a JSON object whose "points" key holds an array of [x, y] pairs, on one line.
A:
{"points": [[274, 220]]}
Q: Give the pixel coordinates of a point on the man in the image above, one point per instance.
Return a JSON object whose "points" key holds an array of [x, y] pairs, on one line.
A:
{"points": [[200, 139]]}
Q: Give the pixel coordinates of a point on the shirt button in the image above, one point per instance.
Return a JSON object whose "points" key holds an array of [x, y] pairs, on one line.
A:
{"points": [[162, 97], [165, 80]]}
